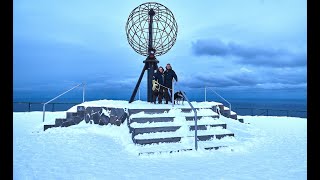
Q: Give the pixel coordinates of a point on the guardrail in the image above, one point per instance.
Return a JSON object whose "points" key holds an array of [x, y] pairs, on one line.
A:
{"points": [[205, 95], [195, 121], [269, 112], [28, 107], [239, 110], [44, 104]]}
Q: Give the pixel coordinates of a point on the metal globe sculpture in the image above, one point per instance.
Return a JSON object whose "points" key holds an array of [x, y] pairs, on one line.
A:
{"points": [[151, 31], [164, 29]]}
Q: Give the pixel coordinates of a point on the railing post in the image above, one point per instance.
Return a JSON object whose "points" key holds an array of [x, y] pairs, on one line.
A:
{"points": [[195, 122], [196, 129], [83, 92], [44, 110], [205, 94], [172, 94], [29, 106]]}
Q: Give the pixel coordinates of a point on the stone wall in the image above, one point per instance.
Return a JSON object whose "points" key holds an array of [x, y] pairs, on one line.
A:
{"points": [[105, 115]]}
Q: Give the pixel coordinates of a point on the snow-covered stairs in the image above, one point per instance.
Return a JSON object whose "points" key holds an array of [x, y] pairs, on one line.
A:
{"points": [[158, 130], [225, 111]]}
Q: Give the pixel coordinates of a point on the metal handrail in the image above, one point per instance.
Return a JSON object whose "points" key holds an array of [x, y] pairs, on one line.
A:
{"points": [[219, 96], [195, 121], [44, 104], [172, 94]]}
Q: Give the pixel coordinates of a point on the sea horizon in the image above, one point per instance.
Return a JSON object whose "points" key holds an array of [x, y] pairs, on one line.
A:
{"points": [[241, 105]]}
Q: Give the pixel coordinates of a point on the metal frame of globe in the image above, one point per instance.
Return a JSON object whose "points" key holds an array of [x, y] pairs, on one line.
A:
{"points": [[151, 31]]}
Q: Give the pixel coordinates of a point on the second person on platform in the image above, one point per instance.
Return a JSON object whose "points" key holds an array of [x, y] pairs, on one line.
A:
{"points": [[169, 74]]}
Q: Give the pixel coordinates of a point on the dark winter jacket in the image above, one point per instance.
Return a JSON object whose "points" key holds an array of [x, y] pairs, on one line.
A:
{"points": [[158, 76], [169, 74]]}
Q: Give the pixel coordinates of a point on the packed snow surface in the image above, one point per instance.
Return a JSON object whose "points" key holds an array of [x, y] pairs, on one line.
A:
{"points": [[264, 147]]}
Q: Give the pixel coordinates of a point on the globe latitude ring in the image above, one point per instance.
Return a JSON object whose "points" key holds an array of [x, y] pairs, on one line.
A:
{"points": [[164, 29]]}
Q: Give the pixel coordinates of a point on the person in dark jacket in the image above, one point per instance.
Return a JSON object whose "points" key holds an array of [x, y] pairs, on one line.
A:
{"points": [[157, 90], [169, 74]]}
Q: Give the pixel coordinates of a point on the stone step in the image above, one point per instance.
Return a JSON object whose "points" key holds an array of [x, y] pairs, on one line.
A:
{"points": [[47, 126], [180, 150], [136, 131], [151, 119], [186, 143], [184, 131], [60, 121], [217, 136], [71, 114], [147, 111], [177, 122], [156, 140], [159, 111], [72, 121], [233, 116], [177, 139], [191, 118], [186, 110], [204, 127]]}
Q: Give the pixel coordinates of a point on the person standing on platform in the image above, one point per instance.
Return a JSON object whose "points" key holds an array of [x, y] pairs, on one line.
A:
{"points": [[169, 74], [157, 87]]}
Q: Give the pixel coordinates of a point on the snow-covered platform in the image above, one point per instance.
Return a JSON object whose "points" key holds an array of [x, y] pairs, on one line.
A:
{"points": [[156, 124]]}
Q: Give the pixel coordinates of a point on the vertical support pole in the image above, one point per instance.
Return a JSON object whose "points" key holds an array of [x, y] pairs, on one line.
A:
{"points": [[205, 94], [83, 91], [29, 106], [195, 129], [195, 122], [172, 94], [44, 110], [151, 13], [151, 61]]}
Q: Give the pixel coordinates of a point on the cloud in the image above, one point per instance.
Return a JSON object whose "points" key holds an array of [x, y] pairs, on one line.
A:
{"points": [[251, 55], [247, 78]]}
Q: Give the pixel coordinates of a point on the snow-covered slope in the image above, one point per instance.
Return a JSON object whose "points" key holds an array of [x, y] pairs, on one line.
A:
{"points": [[267, 148]]}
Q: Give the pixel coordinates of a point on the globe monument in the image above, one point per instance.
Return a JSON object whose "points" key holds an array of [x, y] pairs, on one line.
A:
{"points": [[151, 31]]}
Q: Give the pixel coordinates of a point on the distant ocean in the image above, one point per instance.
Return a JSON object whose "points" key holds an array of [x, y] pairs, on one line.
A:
{"points": [[270, 107]]}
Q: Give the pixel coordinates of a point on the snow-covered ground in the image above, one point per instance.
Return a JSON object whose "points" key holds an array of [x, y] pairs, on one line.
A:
{"points": [[264, 148]]}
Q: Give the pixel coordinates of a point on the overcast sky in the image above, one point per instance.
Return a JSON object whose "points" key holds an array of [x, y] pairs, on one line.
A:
{"points": [[252, 46]]}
